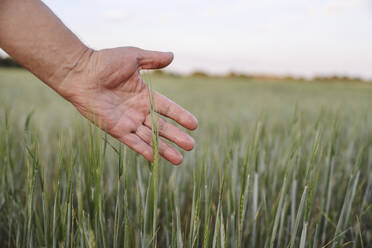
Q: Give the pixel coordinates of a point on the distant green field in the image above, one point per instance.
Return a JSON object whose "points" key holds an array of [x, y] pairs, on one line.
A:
{"points": [[276, 164]]}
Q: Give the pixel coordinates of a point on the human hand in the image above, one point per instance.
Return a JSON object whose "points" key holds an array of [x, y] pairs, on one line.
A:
{"points": [[107, 88]]}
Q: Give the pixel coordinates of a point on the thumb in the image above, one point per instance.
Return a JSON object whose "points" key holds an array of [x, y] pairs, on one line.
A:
{"points": [[153, 59]]}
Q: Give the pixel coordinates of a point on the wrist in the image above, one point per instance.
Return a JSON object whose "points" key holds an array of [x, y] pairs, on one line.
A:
{"points": [[72, 72]]}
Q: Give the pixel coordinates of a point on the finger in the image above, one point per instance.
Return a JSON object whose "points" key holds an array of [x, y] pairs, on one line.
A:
{"points": [[173, 133], [165, 150], [154, 60], [172, 110], [138, 145]]}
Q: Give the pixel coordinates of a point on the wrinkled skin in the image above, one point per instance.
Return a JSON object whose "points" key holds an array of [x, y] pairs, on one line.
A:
{"points": [[105, 86], [112, 94]]}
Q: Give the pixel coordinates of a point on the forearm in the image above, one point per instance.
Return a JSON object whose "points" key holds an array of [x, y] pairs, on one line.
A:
{"points": [[37, 39]]}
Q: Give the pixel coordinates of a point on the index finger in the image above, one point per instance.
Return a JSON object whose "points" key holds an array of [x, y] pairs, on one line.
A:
{"points": [[172, 110]]}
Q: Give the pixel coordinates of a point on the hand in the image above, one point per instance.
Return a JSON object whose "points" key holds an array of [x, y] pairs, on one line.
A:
{"points": [[107, 88]]}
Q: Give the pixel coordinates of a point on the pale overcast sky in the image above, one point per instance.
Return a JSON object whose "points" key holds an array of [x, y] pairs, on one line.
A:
{"points": [[299, 37]]}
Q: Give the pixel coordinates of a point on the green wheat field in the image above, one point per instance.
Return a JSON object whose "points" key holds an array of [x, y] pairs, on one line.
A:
{"points": [[276, 164]]}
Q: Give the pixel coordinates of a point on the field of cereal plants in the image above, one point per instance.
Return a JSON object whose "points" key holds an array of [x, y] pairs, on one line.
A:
{"points": [[276, 164]]}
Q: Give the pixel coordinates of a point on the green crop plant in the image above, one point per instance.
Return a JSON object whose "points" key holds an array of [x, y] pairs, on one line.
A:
{"points": [[276, 164]]}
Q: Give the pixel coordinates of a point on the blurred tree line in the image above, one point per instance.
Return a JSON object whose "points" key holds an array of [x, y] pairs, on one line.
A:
{"points": [[8, 62], [261, 77]]}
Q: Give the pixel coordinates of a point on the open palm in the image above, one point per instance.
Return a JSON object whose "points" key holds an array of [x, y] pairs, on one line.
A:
{"points": [[107, 88]]}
